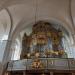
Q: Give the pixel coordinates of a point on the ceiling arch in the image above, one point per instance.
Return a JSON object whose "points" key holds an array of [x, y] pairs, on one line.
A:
{"points": [[16, 7], [10, 3], [22, 25], [5, 22]]}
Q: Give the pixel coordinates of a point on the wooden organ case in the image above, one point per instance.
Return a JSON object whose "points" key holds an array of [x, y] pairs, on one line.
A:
{"points": [[44, 39]]}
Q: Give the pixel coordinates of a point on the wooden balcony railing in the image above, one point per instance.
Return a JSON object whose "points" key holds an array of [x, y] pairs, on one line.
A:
{"points": [[48, 63]]}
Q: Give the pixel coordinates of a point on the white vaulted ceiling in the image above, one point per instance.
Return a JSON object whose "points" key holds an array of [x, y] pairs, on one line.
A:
{"points": [[46, 9]]}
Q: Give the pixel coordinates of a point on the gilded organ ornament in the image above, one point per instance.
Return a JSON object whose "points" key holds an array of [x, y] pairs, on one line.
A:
{"points": [[43, 39], [37, 63]]}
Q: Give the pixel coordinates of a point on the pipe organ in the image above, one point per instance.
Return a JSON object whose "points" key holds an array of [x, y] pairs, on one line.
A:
{"points": [[42, 53], [44, 41]]}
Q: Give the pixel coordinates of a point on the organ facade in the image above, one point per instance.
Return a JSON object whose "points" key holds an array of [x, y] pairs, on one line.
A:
{"points": [[45, 40]]}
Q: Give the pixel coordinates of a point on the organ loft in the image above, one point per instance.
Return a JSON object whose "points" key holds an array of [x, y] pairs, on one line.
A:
{"points": [[42, 53]]}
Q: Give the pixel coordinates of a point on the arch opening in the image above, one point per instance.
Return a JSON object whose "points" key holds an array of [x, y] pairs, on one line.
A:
{"points": [[27, 44]]}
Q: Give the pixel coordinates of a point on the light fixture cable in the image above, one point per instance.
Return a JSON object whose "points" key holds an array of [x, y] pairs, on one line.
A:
{"points": [[36, 8]]}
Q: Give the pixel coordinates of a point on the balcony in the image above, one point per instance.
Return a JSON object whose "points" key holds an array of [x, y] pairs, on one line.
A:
{"points": [[48, 64]]}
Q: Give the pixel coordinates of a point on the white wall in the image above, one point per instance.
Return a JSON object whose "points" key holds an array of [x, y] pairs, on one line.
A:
{"points": [[4, 31]]}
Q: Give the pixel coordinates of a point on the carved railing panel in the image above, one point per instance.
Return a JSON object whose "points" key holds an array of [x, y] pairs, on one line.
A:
{"points": [[45, 63]]}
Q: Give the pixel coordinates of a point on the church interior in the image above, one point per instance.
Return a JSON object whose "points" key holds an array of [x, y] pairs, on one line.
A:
{"points": [[37, 37]]}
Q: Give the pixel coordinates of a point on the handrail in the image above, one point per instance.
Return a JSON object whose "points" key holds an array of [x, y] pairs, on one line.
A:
{"points": [[57, 63]]}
